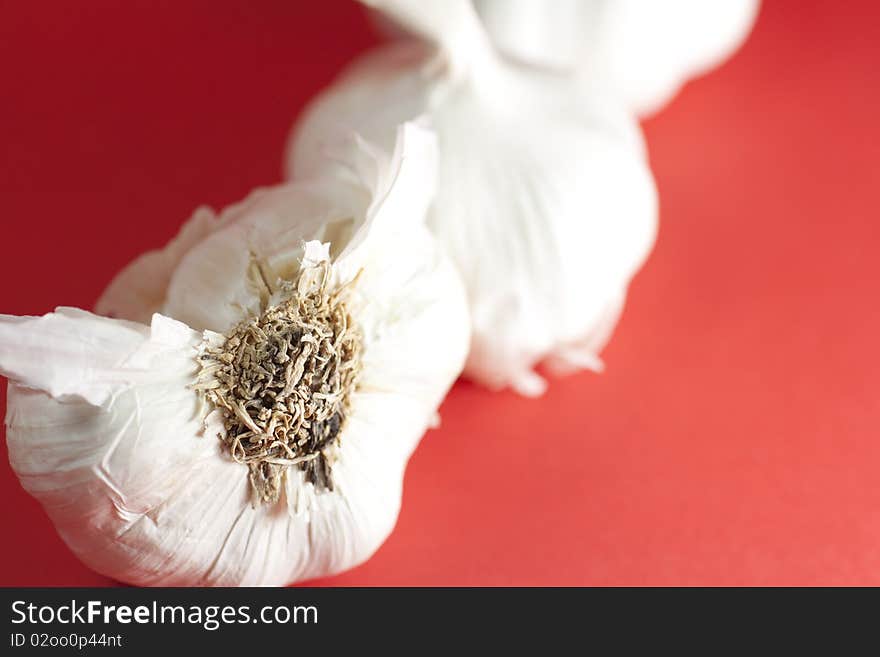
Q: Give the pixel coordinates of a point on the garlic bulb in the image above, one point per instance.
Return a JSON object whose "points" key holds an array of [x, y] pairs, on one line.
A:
{"points": [[256, 431], [643, 49], [545, 201]]}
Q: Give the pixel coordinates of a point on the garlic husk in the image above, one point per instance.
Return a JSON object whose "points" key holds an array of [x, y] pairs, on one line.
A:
{"points": [[139, 290], [644, 50], [107, 431], [545, 201]]}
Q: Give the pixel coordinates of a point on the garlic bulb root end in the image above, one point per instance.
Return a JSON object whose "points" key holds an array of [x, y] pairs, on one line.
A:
{"points": [[283, 380]]}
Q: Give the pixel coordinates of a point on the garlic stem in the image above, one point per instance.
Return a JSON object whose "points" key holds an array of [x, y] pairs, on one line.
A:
{"points": [[451, 24]]}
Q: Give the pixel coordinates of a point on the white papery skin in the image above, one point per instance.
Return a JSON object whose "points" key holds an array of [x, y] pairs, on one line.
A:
{"points": [[545, 201], [105, 431], [644, 50]]}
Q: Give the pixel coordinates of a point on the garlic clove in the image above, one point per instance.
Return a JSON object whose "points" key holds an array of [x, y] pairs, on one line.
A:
{"points": [[644, 50]]}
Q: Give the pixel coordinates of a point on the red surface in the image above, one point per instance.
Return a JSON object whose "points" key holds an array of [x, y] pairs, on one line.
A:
{"points": [[735, 438]]}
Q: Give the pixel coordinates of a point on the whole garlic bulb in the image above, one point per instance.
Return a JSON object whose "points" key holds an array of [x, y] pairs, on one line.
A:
{"points": [[545, 201], [260, 436], [643, 49]]}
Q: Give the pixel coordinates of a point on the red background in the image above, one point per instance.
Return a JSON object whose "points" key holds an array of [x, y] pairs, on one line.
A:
{"points": [[734, 437]]}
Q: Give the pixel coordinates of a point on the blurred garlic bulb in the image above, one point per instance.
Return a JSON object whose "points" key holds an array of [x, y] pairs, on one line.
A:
{"points": [[545, 201], [642, 49], [260, 436]]}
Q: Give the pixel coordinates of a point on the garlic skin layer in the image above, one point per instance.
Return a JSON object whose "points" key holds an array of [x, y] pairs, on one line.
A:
{"points": [[106, 430], [644, 50], [545, 201]]}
